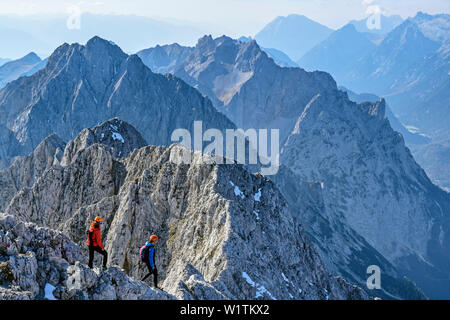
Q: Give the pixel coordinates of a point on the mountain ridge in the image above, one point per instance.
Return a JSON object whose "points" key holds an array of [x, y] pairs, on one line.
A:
{"points": [[282, 34], [211, 240]]}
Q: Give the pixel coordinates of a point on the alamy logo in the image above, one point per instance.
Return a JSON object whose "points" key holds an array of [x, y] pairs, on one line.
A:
{"points": [[74, 20], [373, 22], [235, 146], [374, 281], [75, 11]]}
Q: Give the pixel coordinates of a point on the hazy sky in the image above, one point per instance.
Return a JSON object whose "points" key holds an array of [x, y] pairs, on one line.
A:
{"points": [[235, 17]]}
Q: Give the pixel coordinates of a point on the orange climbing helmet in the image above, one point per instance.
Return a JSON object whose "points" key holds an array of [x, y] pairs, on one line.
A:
{"points": [[98, 219], [153, 238]]}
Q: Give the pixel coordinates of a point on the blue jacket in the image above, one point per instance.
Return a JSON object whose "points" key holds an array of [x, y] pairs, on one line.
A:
{"points": [[151, 253]]}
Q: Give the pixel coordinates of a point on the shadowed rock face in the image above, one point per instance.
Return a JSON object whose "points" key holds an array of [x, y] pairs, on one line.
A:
{"points": [[224, 233], [9, 146], [371, 181], [82, 86], [34, 259]]}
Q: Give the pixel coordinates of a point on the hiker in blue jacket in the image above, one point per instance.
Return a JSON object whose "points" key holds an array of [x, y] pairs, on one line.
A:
{"points": [[149, 258]]}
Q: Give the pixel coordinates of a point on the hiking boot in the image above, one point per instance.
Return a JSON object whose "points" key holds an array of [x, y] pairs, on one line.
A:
{"points": [[104, 268]]}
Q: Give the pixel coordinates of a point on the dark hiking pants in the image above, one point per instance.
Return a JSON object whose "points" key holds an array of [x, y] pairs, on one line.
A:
{"points": [[99, 250], [151, 271]]}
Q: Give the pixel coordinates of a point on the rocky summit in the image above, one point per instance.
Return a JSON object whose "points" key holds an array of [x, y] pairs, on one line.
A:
{"points": [[224, 233]]}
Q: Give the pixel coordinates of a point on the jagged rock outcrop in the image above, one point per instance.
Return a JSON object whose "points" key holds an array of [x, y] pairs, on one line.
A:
{"points": [[40, 263], [24, 171], [163, 59], [82, 86], [411, 138], [224, 232], [119, 136]]}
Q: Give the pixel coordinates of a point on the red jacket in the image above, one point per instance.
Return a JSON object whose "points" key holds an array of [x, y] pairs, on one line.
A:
{"points": [[96, 236]]}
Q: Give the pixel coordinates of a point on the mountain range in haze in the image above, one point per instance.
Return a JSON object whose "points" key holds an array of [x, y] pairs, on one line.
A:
{"points": [[24, 66], [409, 68], [43, 33]]}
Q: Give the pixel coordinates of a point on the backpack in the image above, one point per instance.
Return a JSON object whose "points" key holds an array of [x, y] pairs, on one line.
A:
{"points": [[143, 253], [89, 240]]}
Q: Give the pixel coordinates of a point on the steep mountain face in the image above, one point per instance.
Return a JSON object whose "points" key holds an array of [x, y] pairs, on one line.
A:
{"points": [[25, 171], [343, 250], [40, 263], [411, 138], [373, 182], [370, 179], [432, 156], [434, 159], [293, 35], [409, 68], [224, 233], [12, 70], [85, 85]]}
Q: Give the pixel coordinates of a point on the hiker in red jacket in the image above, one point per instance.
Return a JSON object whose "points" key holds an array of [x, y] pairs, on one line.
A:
{"points": [[94, 242]]}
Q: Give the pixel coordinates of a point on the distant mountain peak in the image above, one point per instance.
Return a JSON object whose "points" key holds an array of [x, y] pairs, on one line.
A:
{"points": [[13, 70], [293, 17], [294, 35], [31, 57]]}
